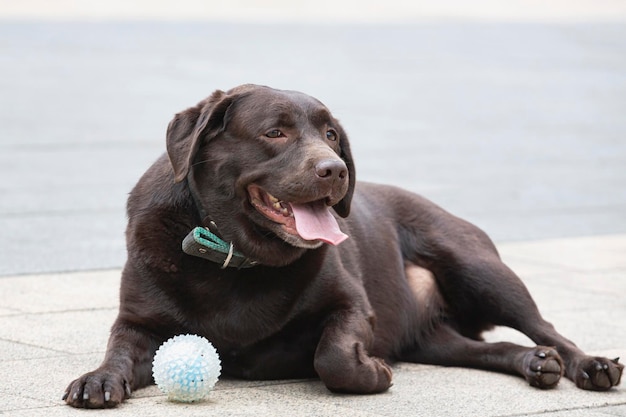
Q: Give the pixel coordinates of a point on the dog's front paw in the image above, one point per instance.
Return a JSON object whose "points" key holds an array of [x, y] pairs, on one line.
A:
{"points": [[598, 374], [357, 373], [543, 367], [97, 389], [374, 373]]}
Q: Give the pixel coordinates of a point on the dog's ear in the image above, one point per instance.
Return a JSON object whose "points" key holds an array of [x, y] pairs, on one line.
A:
{"points": [[189, 128], [342, 208]]}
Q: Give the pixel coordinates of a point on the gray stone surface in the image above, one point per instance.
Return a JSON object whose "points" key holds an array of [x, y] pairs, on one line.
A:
{"points": [[47, 342]]}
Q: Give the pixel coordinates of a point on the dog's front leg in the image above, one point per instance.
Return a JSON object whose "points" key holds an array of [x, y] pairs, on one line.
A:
{"points": [[342, 360], [127, 365]]}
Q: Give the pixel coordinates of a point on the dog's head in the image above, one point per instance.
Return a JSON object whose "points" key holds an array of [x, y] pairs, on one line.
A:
{"points": [[267, 166]]}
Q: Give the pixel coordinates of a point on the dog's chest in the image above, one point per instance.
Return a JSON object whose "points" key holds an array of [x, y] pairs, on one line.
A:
{"points": [[240, 313]]}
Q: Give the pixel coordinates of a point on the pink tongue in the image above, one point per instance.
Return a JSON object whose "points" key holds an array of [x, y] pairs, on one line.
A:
{"points": [[314, 221]]}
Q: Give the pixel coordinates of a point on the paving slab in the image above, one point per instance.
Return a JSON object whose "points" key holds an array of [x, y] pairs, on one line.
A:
{"points": [[84, 290]]}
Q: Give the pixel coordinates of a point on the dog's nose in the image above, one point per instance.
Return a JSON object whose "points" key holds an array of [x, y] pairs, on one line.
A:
{"points": [[331, 169]]}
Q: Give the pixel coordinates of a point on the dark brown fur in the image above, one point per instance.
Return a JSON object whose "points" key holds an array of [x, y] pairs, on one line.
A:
{"points": [[412, 283]]}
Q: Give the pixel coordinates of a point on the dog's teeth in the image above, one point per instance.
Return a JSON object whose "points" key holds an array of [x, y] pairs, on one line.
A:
{"points": [[277, 205], [273, 199]]}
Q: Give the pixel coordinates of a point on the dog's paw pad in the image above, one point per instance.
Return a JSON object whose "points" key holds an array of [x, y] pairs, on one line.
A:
{"points": [[598, 374], [543, 367]]}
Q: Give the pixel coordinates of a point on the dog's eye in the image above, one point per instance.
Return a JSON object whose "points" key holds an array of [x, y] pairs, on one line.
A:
{"points": [[331, 135], [273, 134]]}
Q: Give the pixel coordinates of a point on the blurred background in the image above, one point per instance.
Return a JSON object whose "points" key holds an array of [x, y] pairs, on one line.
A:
{"points": [[510, 114]]}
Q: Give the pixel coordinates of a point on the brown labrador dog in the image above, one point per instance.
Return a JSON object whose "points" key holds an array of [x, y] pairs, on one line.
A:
{"points": [[232, 236]]}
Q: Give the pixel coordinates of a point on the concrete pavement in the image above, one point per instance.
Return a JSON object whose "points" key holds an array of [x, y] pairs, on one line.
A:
{"points": [[510, 116], [54, 327]]}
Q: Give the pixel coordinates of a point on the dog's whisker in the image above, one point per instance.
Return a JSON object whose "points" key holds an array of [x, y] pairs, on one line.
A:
{"points": [[200, 163]]}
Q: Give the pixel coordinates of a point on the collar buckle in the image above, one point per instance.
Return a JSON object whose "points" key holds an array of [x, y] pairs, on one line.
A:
{"points": [[203, 243]]}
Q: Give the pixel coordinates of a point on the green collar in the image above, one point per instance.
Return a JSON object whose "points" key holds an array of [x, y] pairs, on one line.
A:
{"points": [[201, 242]]}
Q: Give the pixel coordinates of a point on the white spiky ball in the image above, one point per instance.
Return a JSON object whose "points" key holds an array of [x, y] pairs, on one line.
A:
{"points": [[186, 368]]}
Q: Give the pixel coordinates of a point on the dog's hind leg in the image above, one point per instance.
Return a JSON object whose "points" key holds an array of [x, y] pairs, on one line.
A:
{"points": [[438, 343], [485, 291], [541, 366]]}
